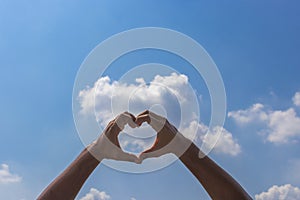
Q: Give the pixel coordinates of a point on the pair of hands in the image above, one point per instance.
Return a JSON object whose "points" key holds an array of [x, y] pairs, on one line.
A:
{"points": [[107, 146]]}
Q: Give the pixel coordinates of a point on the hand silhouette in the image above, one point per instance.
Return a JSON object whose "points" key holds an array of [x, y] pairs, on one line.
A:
{"points": [[168, 139], [107, 146]]}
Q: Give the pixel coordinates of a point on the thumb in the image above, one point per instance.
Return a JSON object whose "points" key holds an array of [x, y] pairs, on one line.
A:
{"points": [[152, 154], [128, 157]]}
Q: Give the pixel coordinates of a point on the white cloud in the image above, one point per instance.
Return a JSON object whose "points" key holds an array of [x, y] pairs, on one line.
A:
{"points": [[135, 145], [106, 94], [296, 99], [6, 176], [132, 198], [255, 113], [284, 126], [95, 194], [284, 192], [226, 144], [172, 92], [279, 126]]}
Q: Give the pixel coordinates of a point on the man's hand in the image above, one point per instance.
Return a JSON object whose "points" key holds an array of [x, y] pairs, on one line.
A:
{"points": [[168, 140], [218, 183], [107, 146]]}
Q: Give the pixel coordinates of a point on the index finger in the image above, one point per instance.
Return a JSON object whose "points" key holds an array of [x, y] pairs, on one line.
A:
{"points": [[126, 118], [142, 118]]}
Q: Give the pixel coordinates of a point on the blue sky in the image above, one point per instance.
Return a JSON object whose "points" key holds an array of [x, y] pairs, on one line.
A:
{"points": [[255, 45]]}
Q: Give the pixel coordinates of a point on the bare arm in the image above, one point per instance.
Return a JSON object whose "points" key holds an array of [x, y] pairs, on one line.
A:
{"points": [[67, 185], [217, 182]]}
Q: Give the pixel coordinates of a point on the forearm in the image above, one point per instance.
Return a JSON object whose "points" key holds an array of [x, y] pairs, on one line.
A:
{"points": [[218, 183], [68, 183]]}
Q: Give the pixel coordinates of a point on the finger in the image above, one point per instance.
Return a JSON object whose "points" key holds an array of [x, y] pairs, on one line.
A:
{"points": [[152, 114], [110, 124], [123, 156], [144, 156], [131, 115], [117, 143], [144, 112], [139, 161], [142, 118], [126, 118], [112, 138], [132, 123], [156, 116], [156, 123], [153, 148], [131, 120]]}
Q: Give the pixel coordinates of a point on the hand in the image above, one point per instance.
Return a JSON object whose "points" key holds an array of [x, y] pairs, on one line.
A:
{"points": [[107, 146], [168, 139]]}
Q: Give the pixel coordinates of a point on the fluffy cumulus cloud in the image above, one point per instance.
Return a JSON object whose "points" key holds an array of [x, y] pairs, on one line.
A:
{"points": [[284, 192], [279, 126], [284, 126], [255, 113], [225, 144], [95, 194], [6, 176], [173, 93], [134, 144], [296, 99], [108, 97]]}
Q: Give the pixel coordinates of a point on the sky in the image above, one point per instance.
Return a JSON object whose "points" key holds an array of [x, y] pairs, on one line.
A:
{"points": [[255, 45]]}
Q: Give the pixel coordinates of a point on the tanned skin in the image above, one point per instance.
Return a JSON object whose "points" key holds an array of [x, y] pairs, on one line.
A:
{"points": [[67, 185], [216, 181]]}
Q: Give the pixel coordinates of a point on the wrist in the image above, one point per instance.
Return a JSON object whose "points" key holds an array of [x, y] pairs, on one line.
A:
{"points": [[180, 144], [95, 150], [192, 154]]}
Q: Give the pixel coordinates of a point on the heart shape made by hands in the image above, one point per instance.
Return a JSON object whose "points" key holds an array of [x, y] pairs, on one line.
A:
{"points": [[149, 138], [137, 140]]}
